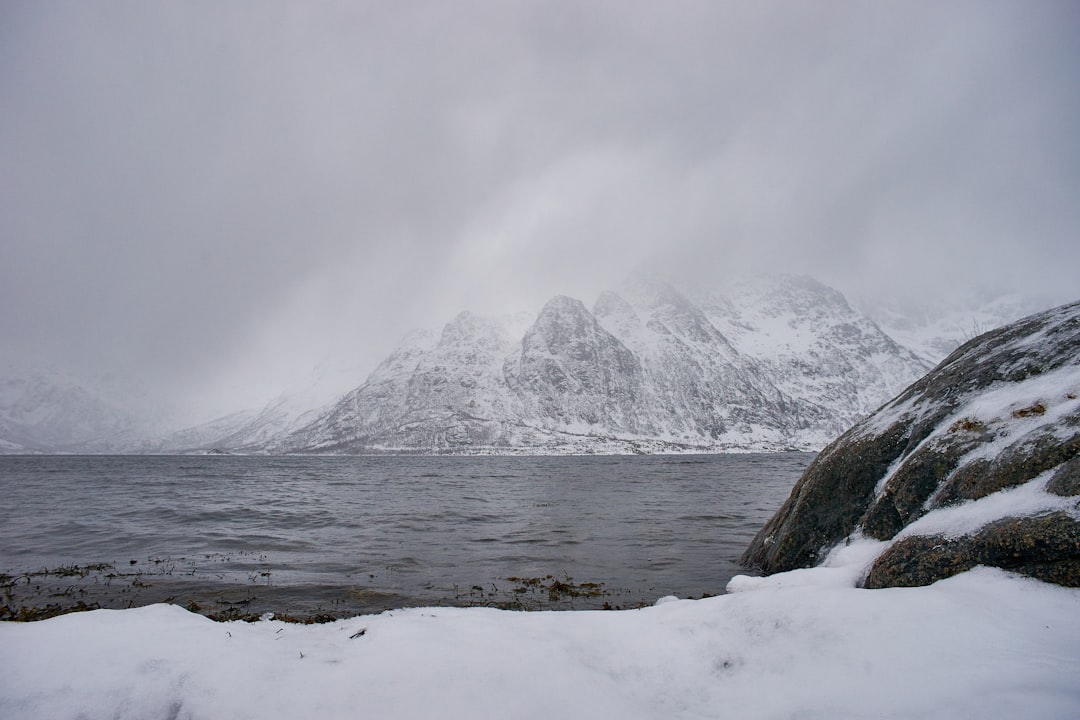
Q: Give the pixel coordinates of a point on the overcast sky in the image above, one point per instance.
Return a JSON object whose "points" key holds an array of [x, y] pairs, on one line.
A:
{"points": [[219, 194]]}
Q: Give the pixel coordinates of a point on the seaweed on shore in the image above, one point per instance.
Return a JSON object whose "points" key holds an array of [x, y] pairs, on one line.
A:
{"points": [[531, 592], [48, 592]]}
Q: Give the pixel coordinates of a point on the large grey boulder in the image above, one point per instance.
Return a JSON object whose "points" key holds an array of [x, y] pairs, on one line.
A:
{"points": [[1000, 412]]}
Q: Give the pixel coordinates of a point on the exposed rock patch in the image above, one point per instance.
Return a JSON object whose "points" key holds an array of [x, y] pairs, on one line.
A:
{"points": [[1066, 480], [1045, 547]]}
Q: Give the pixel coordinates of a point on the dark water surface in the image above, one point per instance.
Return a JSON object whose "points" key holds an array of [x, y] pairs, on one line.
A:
{"points": [[341, 535]]}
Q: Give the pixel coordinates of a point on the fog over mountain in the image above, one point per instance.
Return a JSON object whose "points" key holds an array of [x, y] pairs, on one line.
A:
{"points": [[202, 202], [772, 363], [757, 363]]}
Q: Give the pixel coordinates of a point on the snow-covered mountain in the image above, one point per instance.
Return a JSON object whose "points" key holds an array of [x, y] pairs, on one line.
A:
{"points": [[769, 363], [46, 411], [760, 363], [244, 430], [813, 344]]}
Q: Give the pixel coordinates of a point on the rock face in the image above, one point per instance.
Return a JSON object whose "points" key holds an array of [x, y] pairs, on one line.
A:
{"points": [[1046, 547], [570, 371], [990, 438], [779, 363]]}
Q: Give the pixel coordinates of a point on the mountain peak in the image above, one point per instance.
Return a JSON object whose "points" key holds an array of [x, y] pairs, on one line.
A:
{"points": [[761, 363], [468, 327], [648, 368]]}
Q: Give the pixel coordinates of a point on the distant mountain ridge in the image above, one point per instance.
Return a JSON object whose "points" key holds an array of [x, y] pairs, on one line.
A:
{"points": [[768, 364], [43, 411], [761, 363]]}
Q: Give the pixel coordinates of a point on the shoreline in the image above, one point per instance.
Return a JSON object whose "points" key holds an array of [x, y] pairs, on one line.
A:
{"points": [[43, 594]]}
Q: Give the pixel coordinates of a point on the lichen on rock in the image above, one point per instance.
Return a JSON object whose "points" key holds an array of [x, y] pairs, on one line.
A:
{"points": [[1045, 547]]}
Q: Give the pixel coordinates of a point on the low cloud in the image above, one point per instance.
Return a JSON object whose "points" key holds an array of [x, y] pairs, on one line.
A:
{"points": [[218, 196]]}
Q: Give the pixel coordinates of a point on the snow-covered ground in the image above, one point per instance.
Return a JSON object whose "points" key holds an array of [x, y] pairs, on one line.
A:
{"points": [[804, 644]]}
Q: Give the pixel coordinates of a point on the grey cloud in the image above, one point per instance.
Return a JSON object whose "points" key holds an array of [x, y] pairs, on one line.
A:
{"points": [[219, 194]]}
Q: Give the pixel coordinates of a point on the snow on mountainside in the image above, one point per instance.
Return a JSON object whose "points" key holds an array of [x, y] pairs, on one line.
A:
{"points": [[44, 411], [432, 392], [933, 330], [246, 429], [204, 436], [815, 346], [763, 364], [760, 363]]}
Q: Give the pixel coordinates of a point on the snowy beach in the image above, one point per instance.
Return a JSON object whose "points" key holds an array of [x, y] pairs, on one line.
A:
{"points": [[803, 644]]}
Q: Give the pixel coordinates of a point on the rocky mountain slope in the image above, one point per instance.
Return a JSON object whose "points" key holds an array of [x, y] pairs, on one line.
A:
{"points": [[774, 363], [762, 363], [976, 463]]}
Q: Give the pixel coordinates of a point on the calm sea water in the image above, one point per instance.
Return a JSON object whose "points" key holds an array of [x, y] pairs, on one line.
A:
{"points": [[342, 534]]}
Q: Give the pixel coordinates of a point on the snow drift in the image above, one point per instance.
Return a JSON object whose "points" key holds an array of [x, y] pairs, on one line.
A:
{"points": [[981, 645]]}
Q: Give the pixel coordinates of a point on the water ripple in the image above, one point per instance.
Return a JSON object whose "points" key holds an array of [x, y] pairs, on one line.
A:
{"points": [[406, 527]]}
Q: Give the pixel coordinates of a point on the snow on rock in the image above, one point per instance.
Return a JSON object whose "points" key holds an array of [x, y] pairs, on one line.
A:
{"points": [[973, 464], [984, 644]]}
